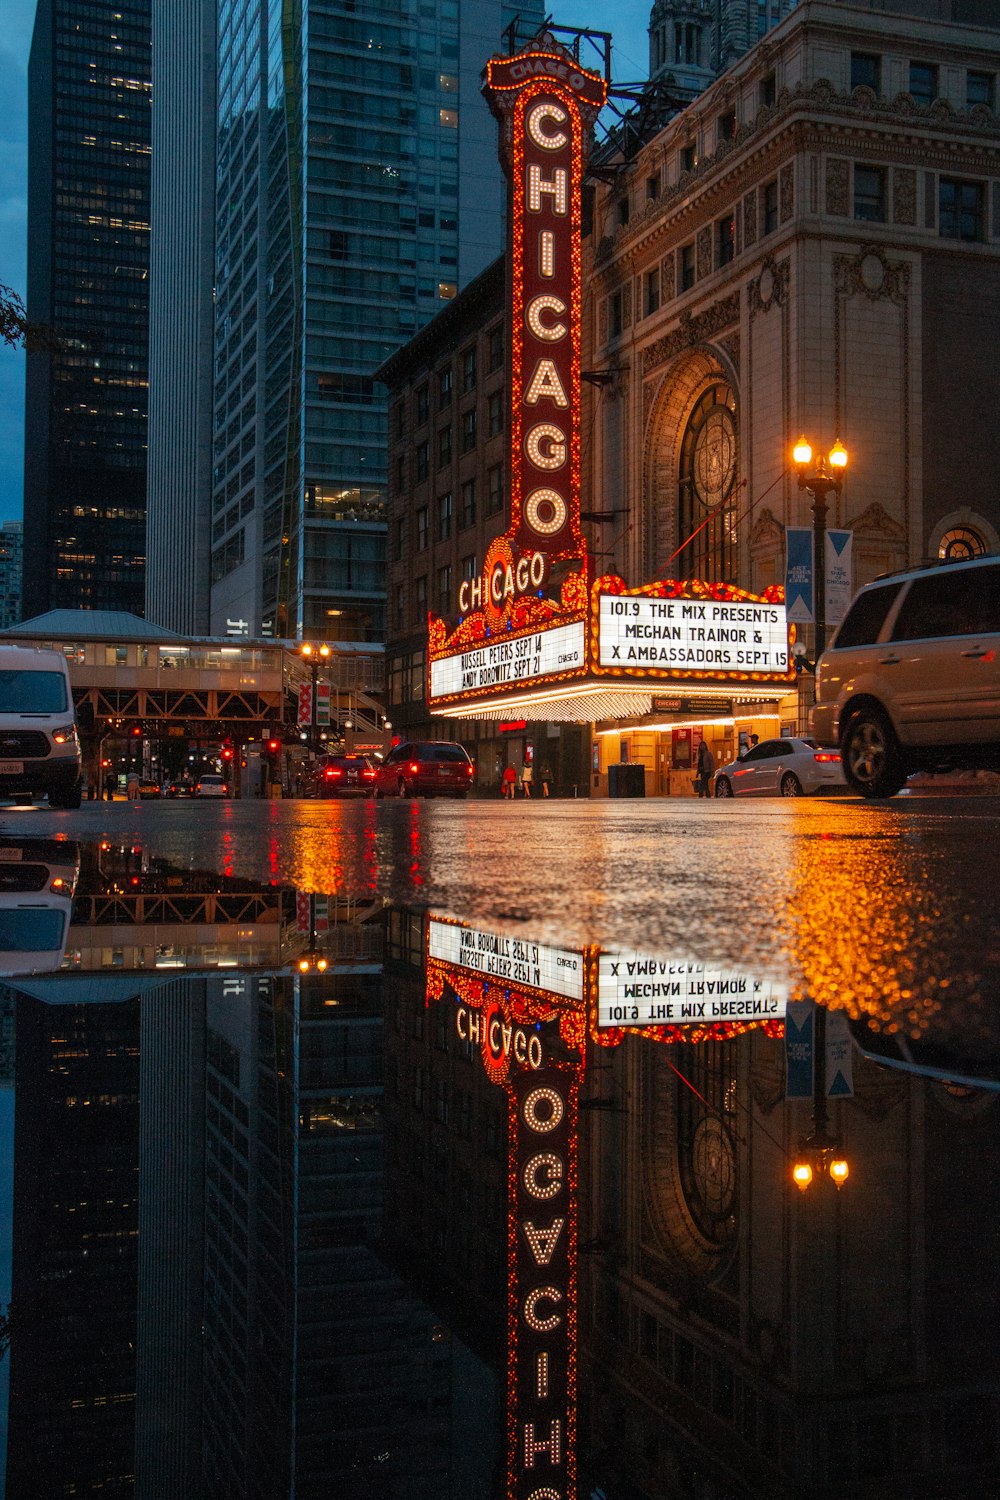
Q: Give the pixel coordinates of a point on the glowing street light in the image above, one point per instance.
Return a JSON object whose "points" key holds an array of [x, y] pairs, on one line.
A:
{"points": [[819, 478]]}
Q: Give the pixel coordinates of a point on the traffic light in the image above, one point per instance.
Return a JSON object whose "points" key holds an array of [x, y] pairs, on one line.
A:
{"points": [[135, 731], [227, 753], [273, 746]]}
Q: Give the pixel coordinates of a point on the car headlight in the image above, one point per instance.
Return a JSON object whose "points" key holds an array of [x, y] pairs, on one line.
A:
{"points": [[65, 735]]}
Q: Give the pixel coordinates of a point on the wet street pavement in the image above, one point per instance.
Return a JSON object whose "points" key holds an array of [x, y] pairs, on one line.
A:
{"points": [[427, 1150]]}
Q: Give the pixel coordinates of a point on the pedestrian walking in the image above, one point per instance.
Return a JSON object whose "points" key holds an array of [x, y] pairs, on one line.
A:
{"points": [[110, 782], [526, 779], [507, 782], [132, 786], [545, 776], [706, 770]]}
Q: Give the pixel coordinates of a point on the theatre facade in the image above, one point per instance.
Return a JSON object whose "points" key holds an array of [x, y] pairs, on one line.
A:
{"points": [[591, 448]]}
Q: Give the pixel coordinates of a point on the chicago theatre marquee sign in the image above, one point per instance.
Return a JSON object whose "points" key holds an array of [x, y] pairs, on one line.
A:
{"points": [[539, 633]]}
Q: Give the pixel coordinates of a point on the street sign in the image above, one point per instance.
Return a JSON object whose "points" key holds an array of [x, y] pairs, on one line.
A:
{"points": [[839, 1069], [322, 703], [800, 1048], [305, 704]]}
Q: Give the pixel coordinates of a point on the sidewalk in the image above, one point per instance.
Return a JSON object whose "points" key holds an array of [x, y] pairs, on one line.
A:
{"points": [[953, 784]]}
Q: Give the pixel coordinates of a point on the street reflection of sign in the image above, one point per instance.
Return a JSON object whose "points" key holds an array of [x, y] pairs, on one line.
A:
{"points": [[510, 661], [700, 635], [498, 956], [635, 989]]}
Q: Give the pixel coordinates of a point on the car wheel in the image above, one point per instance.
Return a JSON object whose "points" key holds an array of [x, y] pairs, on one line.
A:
{"points": [[869, 752], [791, 786], [723, 787]]}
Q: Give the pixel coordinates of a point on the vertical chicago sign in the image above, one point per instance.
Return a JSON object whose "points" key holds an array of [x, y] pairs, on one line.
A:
{"points": [[546, 104]]}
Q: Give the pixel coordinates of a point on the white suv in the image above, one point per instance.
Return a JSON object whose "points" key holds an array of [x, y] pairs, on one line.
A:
{"points": [[911, 681]]}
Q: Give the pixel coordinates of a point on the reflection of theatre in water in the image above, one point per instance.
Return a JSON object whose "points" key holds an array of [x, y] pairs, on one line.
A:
{"points": [[677, 1313]]}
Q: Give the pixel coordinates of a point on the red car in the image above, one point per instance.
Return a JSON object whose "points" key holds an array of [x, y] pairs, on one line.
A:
{"points": [[345, 776], [428, 768]]}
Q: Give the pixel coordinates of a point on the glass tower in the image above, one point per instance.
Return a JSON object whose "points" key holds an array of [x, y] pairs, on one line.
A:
{"points": [[357, 189], [88, 260]]}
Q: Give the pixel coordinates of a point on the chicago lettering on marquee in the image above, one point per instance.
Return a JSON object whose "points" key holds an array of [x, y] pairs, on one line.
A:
{"points": [[546, 103]]}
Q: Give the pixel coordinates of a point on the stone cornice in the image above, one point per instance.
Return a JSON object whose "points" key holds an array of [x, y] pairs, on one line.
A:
{"points": [[861, 109]]}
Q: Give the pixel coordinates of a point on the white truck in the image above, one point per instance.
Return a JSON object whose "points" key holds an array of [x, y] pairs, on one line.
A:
{"points": [[39, 743]]}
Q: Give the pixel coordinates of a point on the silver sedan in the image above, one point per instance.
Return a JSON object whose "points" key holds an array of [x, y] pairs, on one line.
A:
{"points": [[782, 768]]}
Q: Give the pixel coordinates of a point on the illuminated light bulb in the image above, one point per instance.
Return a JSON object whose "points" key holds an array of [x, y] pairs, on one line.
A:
{"points": [[303, 966], [541, 1125], [541, 1323], [324, 651], [839, 1171], [306, 650], [545, 432], [838, 456], [548, 111], [533, 508], [802, 1175], [547, 253], [550, 333], [321, 965], [545, 383], [543, 1189], [802, 452]]}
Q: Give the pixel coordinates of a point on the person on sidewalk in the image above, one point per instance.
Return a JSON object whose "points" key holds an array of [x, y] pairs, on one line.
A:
{"points": [[507, 783], [706, 770], [545, 776], [526, 779]]}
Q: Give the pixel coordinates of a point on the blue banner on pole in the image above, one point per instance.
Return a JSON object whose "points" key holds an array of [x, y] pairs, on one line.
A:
{"points": [[799, 574], [800, 1048]]}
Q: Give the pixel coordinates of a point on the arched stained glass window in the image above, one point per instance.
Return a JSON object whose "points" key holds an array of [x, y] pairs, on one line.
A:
{"points": [[707, 489], [961, 542]]}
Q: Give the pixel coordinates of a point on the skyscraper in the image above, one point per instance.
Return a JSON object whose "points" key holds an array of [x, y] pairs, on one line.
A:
{"points": [[341, 210], [181, 314], [11, 570], [88, 263]]}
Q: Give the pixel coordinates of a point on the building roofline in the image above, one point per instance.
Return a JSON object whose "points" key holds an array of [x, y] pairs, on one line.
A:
{"points": [[439, 332]]}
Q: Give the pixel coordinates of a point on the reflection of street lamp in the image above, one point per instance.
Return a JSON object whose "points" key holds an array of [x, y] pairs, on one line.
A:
{"points": [[820, 1151], [819, 478], [313, 655]]}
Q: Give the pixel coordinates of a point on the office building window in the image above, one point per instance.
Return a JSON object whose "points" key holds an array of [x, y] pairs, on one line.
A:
{"points": [[494, 490], [652, 187], [923, 82], [725, 126], [494, 348], [651, 291], [494, 414], [448, 118], [420, 596], [768, 91], [444, 388], [725, 239], [422, 457], [468, 512], [444, 589], [469, 369], [865, 70], [422, 528], [979, 89], [688, 157], [444, 517], [869, 194], [687, 267], [422, 404], [398, 538], [769, 218], [468, 566], [444, 446], [960, 209], [469, 430], [447, 290]]}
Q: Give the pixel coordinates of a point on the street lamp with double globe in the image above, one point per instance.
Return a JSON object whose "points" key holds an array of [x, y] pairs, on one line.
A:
{"points": [[313, 655], [819, 477]]}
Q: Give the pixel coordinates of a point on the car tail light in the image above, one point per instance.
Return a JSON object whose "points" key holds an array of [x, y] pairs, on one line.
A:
{"points": [[334, 771], [470, 769], [826, 756], [368, 775], [414, 767]]}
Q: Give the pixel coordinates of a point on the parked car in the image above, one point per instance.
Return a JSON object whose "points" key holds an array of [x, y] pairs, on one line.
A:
{"points": [[211, 786], [39, 745], [179, 789], [149, 789], [428, 768], [345, 776], [788, 767], [911, 681]]}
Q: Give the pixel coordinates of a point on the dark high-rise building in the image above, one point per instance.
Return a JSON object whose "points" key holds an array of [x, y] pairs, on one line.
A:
{"points": [[88, 264], [76, 1178]]}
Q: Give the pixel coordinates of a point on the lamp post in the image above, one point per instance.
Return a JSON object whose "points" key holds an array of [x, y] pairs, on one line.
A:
{"points": [[313, 655], [819, 477], [821, 1148]]}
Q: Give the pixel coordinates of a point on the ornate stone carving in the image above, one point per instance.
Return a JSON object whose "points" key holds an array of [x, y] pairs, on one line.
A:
{"points": [[786, 193], [876, 523], [627, 303], [904, 196], [730, 345], [667, 279], [692, 330], [767, 530], [769, 287], [871, 274], [750, 219], [837, 174], [602, 322], [704, 251]]}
